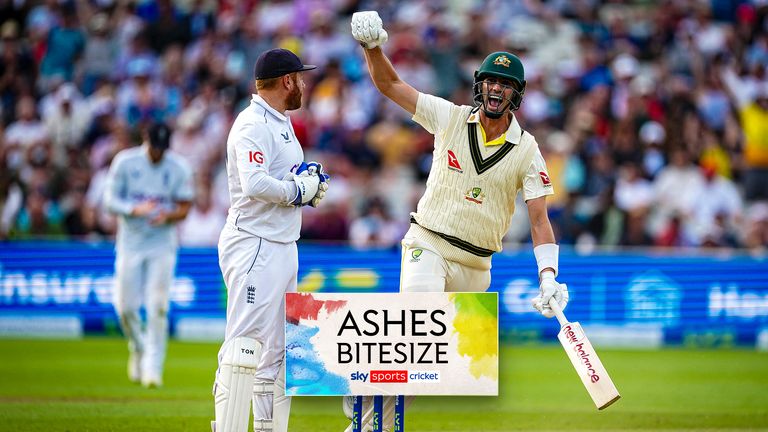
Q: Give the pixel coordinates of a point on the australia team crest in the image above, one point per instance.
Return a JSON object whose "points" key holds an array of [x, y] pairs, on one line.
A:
{"points": [[476, 195]]}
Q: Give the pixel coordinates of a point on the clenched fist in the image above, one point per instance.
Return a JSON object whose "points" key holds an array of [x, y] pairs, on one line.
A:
{"points": [[368, 29], [550, 288]]}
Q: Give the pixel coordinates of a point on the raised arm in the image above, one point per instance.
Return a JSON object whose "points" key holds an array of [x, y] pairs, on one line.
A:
{"points": [[385, 79], [368, 30]]}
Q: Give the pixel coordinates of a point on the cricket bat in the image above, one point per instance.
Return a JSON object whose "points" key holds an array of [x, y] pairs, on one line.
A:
{"points": [[585, 360]]}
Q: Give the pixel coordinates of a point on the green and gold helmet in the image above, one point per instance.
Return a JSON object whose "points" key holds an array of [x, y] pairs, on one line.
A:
{"points": [[501, 65]]}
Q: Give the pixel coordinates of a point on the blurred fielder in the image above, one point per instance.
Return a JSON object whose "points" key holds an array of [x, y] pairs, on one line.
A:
{"points": [[268, 185], [150, 189], [482, 159]]}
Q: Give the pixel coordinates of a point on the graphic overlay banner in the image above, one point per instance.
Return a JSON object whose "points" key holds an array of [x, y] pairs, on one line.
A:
{"points": [[392, 344]]}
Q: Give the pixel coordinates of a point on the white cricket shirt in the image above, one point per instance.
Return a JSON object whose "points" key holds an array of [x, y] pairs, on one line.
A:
{"points": [[132, 179], [261, 149], [471, 190]]}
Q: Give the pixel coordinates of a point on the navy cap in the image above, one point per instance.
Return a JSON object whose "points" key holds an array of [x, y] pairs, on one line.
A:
{"points": [[159, 136], [278, 62]]}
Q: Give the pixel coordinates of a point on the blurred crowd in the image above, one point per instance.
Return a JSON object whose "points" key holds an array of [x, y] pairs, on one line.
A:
{"points": [[652, 116]]}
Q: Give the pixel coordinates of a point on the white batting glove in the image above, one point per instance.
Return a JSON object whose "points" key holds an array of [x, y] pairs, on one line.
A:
{"points": [[368, 29], [316, 168], [549, 288]]}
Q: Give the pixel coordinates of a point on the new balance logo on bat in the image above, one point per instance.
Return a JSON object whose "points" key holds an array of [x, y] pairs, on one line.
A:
{"points": [[593, 376], [574, 339], [571, 334]]}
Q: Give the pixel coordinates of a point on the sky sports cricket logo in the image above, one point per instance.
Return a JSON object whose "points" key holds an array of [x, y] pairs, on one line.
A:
{"points": [[396, 376], [372, 344]]}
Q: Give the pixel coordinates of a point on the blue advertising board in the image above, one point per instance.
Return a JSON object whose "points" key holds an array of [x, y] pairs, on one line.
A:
{"points": [[692, 298]]}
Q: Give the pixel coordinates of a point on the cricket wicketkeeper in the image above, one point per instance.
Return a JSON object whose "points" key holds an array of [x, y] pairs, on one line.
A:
{"points": [[482, 159], [269, 183]]}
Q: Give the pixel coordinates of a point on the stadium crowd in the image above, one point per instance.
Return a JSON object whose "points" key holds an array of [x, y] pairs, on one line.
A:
{"points": [[652, 116]]}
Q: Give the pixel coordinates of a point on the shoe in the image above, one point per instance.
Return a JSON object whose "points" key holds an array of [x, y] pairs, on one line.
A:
{"points": [[151, 380], [134, 367]]}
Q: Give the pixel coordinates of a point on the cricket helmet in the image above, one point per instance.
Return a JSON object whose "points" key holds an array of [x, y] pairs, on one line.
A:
{"points": [[502, 65]]}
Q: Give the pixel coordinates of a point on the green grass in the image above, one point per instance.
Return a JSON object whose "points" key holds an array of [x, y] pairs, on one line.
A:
{"points": [[82, 386]]}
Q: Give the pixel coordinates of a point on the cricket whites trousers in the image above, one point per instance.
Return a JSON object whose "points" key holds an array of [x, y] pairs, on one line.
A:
{"points": [[258, 273], [145, 277]]}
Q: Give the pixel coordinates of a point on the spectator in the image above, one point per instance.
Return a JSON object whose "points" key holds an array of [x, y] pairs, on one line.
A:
{"points": [[718, 208], [66, 123], [170, 27], [40, 217], [652, 136], [375, 228], [11, 198], [756, 232], [65, 47], [204, 222], [99, 54], [17, 69], [675, 189], [25, 134], [633, 192], [752, 102], [693, 91], [140, 101]]}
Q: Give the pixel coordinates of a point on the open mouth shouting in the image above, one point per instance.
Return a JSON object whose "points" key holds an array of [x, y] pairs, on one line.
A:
{"points": [[495, 101]]}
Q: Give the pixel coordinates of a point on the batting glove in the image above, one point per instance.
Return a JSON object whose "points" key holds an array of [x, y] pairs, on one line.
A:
{"points": [[316, 168], [368, 29], [549, 288]]}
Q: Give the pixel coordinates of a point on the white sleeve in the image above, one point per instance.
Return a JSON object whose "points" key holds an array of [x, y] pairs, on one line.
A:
{"points": [[536, 182], [432, 112], [254, 154], [115, 190]]}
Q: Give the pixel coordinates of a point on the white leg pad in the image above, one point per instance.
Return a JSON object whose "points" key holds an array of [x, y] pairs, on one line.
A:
{"points": [[282, 404], [271, 407], [234, 385], [263, 394]]}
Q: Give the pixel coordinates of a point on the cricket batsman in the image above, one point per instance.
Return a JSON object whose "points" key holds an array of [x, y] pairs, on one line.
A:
{"points": [[481, 160]]}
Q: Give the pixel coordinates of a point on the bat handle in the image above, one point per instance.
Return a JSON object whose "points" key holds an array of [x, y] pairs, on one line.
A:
{"points": [[558, 311]]}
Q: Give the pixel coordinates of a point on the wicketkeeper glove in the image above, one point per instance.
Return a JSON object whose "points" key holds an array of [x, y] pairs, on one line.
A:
{"points": [[549, 288], [316, 168], [307, 184], [368, 29]]}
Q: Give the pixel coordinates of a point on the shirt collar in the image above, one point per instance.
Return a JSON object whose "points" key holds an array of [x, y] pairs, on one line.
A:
{"points": [[514, 131], [258, 100]]}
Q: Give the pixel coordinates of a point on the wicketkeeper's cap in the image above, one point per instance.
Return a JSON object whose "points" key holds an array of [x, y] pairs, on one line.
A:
{"points": [[159, 136], [278, 62]]}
